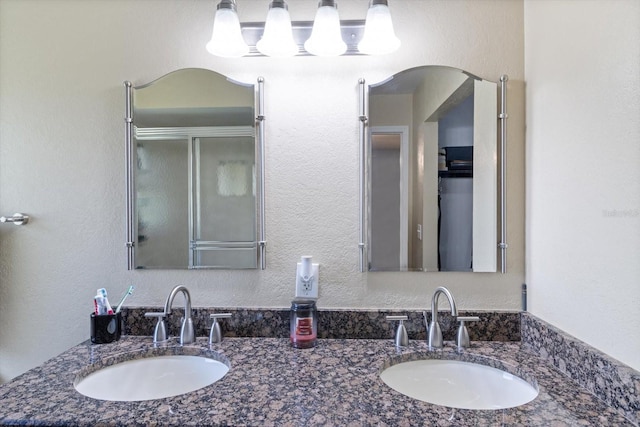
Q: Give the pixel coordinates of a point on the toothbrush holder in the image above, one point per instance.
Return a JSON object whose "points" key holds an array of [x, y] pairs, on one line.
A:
{"points": [[105, 328]]}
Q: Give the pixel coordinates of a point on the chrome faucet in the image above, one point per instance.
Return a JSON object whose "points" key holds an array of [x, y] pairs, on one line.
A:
{"points": [[187, 332], [434, 332]]}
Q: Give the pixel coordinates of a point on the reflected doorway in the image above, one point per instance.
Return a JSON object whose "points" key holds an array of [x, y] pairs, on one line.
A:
{"points": [[389, 198]]}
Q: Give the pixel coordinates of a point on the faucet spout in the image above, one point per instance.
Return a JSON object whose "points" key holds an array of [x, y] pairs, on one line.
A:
{"points": [[171, 297], [435, 333], [434, 302], [187, 331]]}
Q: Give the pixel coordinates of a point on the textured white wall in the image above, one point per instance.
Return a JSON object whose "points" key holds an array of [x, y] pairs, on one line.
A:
{"points": [[583, 170], [62, 64]]}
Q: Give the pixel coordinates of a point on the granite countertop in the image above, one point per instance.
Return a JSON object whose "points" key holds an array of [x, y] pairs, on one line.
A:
{"points": [[271, 383]]}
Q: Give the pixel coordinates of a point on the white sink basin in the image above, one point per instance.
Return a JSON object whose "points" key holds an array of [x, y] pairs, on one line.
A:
{"points": [[458, 384], [151, 378]]}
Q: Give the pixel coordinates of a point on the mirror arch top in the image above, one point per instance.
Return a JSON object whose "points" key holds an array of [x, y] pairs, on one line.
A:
{"points": [[410, 74], [194, 88]]}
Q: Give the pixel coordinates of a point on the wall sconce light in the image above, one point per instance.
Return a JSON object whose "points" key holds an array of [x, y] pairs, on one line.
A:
{"points": [[325, 36]]}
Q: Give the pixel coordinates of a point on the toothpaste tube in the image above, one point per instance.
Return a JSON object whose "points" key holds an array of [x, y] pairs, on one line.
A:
{"points": [[98, 305], [102, 302]]}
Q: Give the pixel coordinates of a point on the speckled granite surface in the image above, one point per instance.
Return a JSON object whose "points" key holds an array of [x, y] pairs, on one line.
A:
{"points": [[272, 384], [348, 324], [615, 383]]}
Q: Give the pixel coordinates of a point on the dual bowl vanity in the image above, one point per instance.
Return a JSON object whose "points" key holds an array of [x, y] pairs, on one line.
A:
{"points": [[265, 381]]}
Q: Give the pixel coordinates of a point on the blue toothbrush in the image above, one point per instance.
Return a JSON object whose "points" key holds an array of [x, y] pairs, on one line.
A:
{"points": [[124, 297]]}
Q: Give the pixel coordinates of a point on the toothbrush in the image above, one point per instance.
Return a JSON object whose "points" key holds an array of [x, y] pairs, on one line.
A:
{"points": [[124, 297]]}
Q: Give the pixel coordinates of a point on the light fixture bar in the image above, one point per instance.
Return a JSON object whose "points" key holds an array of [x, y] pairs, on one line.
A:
{"points": [[352, 32]]}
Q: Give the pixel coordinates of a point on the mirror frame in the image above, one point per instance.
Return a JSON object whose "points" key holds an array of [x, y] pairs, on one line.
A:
{"points": [[365, 147], [130, 174]]}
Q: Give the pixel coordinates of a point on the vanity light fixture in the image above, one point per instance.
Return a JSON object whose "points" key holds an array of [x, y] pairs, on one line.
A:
{"points": [[277, 39], [325, 36], [226, 39], [379, 37], [326, 39]]}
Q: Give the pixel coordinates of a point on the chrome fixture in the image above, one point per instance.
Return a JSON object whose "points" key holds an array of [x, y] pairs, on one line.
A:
{"points": [[363, 149], [325, 36], [160, 331], [216, 331], [462, 339], [187, 332], [503, 173], [435, 333], [401, 338], [16, 219], [260, 123]]}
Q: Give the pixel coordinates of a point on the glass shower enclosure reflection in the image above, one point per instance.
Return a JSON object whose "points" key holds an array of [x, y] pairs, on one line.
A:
{"points": [[197, 193]]}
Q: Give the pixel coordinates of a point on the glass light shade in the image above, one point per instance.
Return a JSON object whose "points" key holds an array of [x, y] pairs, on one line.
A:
{"points": [[379, 37], [277, 39], [326, 37], [226, 39]]}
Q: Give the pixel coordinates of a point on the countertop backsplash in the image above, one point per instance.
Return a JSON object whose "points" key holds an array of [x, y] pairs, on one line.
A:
{"points": [[613, 382], [332, 324]]}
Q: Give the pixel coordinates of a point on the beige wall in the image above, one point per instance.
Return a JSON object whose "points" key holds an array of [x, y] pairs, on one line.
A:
{"points": [[583, 170], [62, 64]]}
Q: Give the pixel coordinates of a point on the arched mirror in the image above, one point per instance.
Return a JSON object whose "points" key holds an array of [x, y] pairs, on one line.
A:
{"points": [[429, 172], [195, 172]]}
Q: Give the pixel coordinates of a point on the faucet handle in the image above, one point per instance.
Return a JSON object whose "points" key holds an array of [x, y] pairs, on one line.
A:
{"points": [[155, 314], [160, 331], [462, 339], [216, 331], [401, 339]]}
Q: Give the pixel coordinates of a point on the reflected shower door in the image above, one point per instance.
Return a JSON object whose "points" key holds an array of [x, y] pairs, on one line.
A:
{"points": [[224, 201], [162, 202]]}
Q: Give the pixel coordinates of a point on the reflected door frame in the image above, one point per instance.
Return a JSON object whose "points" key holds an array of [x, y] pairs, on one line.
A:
{"points": [[403, 133]]}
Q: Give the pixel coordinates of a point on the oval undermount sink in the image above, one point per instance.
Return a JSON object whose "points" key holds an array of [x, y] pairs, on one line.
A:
{"points": [[458, 384], [151, 378]]}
